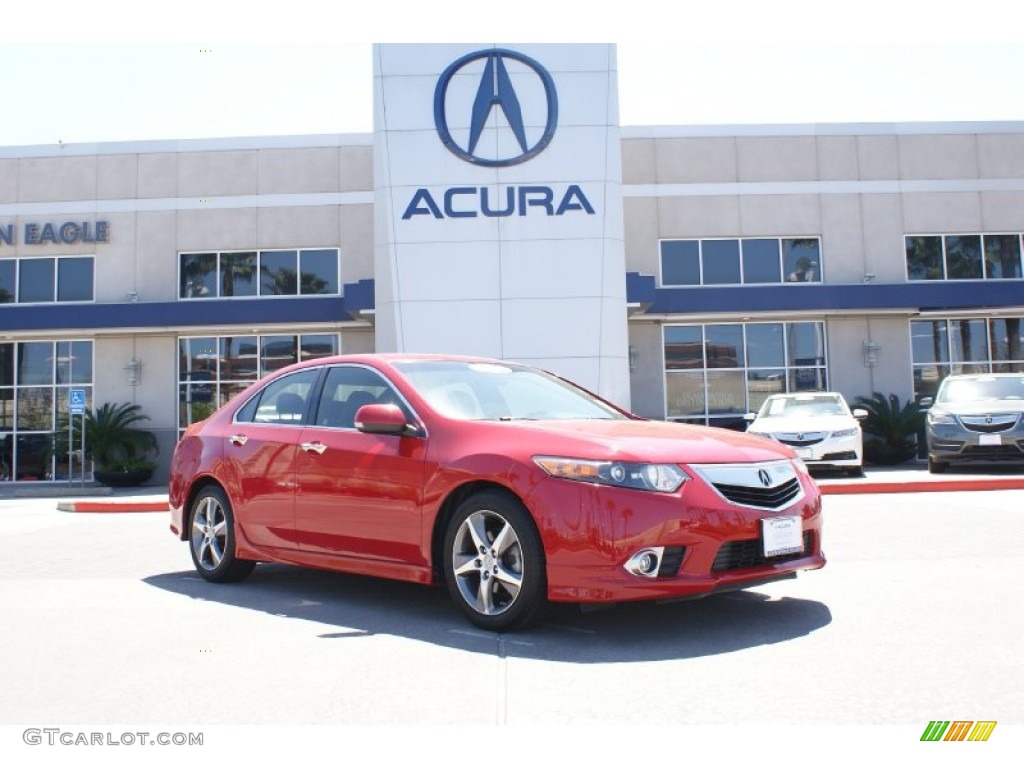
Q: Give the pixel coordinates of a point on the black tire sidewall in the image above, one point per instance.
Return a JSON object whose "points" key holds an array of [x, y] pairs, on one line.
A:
{"points": [[532, 596]]}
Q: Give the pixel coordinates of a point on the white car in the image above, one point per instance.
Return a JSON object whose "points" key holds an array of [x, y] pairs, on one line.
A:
{"points": [[819, 426]]}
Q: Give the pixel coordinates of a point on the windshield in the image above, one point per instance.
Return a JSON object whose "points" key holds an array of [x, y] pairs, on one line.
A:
{"points": [[982, 388], [500, 392], [804, 405]]}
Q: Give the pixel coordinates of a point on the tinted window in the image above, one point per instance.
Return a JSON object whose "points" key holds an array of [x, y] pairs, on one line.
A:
{"points": [[680, 262], [283, 401], [238, 274], [74, 279], [319, 271], [721, 261], [346, 390], [1002, 256], [8, 289], [802, 260], [198, 275], [761, 261], [278, 273], [963, 257], [924, 258], [35, 280]]}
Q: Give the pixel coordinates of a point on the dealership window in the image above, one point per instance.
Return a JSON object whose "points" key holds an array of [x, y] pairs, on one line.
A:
{"points": [[963, 257], [41, 280], [295, 272], [714, 373], [35, 380], [213, 369], [747, 261], [943, 346]]}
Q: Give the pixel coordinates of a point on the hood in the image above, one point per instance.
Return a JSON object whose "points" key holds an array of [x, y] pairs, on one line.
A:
{"points": [[797, 424], [652, 441]]}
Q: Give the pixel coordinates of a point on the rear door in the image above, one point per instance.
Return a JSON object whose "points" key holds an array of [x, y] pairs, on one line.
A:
{"points": [[260, 448]]}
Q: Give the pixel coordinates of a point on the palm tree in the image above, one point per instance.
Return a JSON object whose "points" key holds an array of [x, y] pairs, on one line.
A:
{"points": [[112, 440], [891, 428]]}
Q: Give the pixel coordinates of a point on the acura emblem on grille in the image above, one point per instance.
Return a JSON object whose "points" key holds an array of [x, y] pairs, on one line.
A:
{"points": [[988, 419], [799, 437], [764, 477]]}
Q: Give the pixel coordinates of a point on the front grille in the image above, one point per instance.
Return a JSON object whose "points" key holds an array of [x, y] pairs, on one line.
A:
{"points": [[764, 498], [990, 424], [749, 553], [671, 561], [801, 441], [993, 452]]}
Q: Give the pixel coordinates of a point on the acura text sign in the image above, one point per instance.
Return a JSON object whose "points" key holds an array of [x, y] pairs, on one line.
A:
{"points": [[498, 206]]}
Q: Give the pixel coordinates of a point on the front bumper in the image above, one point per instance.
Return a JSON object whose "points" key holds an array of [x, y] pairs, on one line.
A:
{"points": [[590, 532], [951, 442]]}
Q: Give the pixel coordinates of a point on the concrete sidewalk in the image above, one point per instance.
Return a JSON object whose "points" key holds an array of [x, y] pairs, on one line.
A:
{"points": [[906, 478]]}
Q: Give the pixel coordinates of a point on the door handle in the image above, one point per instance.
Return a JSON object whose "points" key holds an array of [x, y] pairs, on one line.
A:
{"points": [[238, 439], [317, 448]]}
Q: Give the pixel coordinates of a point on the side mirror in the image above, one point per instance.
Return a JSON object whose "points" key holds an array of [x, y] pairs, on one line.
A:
{"points": [[926, 403], [381, 419], [860, 414], [749, 416]]}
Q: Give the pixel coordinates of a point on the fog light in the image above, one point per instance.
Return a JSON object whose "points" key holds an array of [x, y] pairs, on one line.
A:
{"points": [[645, 562]]}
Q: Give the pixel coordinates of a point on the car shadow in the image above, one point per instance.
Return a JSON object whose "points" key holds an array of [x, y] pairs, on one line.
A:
{"points": [[355, 606]]}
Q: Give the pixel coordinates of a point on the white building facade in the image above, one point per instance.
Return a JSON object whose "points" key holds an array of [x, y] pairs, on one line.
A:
{"points": [[684, 272]]}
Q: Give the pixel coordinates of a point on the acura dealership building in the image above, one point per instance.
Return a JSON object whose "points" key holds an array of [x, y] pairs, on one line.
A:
{"points": [[499, 209]]}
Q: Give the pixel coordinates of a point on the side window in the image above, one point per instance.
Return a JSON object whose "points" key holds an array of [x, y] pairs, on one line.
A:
{"points": [[348, 388], [282, 401]]}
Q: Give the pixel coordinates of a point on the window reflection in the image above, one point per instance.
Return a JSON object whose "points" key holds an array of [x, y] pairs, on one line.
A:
{"points": [[717, 372]]}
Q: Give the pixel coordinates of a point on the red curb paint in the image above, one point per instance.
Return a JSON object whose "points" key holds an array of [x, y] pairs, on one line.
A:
{"points": [[113, 506], [1008, 484]]}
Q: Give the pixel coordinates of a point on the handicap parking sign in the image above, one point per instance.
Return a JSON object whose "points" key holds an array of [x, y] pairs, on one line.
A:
{"points": [[76, 402]]}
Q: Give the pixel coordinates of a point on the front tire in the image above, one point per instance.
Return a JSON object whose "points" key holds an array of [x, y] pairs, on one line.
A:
{"points": [[494, 563], [937, 467], [212, 538]]}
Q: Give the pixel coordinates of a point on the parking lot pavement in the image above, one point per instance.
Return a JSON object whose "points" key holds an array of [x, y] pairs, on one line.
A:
{"points": [[915, 617]]}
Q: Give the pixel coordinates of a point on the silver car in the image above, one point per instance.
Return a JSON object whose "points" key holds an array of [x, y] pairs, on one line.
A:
{"points": [[976, 417]]}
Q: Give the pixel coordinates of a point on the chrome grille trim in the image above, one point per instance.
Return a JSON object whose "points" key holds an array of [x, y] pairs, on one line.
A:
{"points": [[995, 422], [743, 484]]}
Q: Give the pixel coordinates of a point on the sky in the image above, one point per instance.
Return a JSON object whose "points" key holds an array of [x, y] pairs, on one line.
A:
{"points": [[107, 71]]}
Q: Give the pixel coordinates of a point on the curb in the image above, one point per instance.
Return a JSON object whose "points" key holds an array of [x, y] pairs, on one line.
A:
{"points": [[923, 486], [128, 505]]}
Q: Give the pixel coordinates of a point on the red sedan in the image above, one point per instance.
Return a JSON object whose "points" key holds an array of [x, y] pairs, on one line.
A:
{"points": [[512, 486]]}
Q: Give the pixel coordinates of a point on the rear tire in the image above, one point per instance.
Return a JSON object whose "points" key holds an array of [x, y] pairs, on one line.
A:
{"points": [[937, 467], [494, 563], [211, 535]]}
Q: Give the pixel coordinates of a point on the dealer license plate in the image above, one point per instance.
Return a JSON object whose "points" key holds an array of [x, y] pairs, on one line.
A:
{"points": [[782, 535], [990, 440], [805, 453]]}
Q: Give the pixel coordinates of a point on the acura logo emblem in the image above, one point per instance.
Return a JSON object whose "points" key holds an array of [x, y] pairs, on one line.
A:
{"points": [[988, 419], [496, 93], [764, 477]]}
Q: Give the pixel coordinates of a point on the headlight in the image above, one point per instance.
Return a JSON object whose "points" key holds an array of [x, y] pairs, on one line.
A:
{"points": [[664, 478], [846, 432], [759, 434], [941, 418]]}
